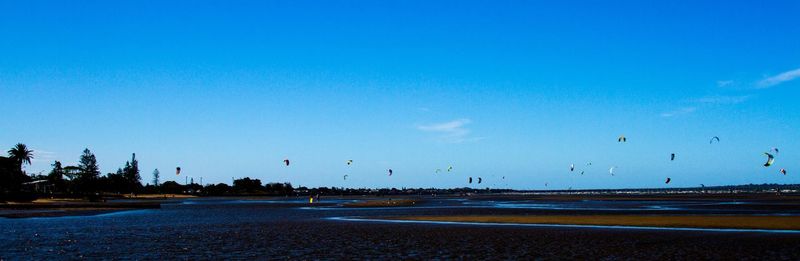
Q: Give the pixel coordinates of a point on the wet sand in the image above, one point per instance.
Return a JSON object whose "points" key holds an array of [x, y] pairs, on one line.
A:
{"points": [[230, 228], [383, 203], [432, 241], [693, 221], [158, 196], [59, 212], [60, 208], [761, 197]]}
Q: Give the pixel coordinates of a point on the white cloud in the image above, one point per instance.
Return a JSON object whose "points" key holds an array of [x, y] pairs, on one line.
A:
{"points": [[42, 156], [40, 163], [450, 126], [706, 101], [778, 79], [451, 131], [681, 111], [719, 99], [724, 83]]}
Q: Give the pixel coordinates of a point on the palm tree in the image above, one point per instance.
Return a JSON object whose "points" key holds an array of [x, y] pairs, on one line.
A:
{"points": [[21, 154]]}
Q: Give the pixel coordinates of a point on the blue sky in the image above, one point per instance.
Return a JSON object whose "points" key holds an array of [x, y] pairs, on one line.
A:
{"points": [[514, 89]]}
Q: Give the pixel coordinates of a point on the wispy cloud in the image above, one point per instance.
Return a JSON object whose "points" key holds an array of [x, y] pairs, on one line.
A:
{"points": [[724, 83], [704, 102], [42, 156], [40, 163], [451, 131], [721, 99], [778, 79], [681, 111]]}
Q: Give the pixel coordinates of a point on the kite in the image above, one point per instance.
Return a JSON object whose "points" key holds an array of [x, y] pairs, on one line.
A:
{"points": [[783, 171], [712, 139], [581, 172], [571, 167], [177, 171], [479, 180], [345, 177], [775, 150], [286, 161], [438, 170], [668, 180], [672, 157], [470, 180], [390, 172], [449, 168], [611, 170], [349, 162], [770, 159], [622, 138]]}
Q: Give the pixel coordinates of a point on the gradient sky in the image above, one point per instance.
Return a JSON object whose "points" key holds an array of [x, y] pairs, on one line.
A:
{"points": [[517, 89]]}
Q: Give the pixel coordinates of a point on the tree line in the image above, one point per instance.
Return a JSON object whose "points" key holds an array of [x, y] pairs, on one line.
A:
{"points": [[81, 180], [86, 180]]}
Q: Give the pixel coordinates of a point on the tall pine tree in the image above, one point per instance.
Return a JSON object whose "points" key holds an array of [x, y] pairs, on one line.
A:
{"points": [[155, 177], [90, 172], [131, 174]]}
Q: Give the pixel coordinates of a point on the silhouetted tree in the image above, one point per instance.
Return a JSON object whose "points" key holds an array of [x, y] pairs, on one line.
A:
{"points": [[56, 177], [11, 177], [155, 177], [150, 189], [90, 172], [21, 154], [217, 190], [114, 182], [287, 188], [193, 188], [279, 188], [247, 185], [172, 187], [131, 175]]}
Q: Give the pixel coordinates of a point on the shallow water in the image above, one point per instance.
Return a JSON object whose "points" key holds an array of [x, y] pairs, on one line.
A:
{"points": [[236, 228]]}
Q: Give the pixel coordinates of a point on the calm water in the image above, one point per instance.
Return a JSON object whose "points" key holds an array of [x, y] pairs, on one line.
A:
{"points": [[214, 228]]}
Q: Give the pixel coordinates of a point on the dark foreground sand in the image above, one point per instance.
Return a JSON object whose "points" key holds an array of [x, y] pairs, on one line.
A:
{"points": [[419, 241], [289, 230]]}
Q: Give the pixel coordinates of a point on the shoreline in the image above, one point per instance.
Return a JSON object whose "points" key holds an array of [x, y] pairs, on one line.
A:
{"points": [[383, 203], [789, 198], [69, 208], [654, 221]]}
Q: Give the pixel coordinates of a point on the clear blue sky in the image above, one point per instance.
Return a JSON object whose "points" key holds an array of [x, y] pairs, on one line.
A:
{"points": [[514, 89]]}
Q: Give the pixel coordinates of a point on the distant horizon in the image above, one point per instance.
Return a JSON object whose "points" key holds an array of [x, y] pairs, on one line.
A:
{"points": [[475, 186], [522, 91]]}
